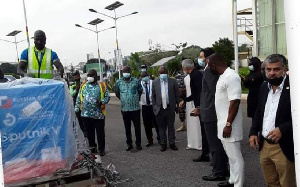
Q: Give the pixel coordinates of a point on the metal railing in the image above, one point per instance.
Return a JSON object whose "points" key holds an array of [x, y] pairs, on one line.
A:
{"points": [[245, 24]]}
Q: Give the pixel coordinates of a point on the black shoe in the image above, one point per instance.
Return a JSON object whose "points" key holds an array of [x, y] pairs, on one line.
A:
{"points": [[163, 147], [225, 184], [129, 147], [149, 144], [202, 158], [102, 153], [173, 147], [213, 177], [139, 147]]}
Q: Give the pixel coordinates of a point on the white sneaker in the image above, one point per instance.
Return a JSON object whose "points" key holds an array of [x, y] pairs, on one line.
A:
{"points": [[98, 159]]}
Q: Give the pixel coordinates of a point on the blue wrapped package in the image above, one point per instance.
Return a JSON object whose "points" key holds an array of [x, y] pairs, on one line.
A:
{"points": [[37, 121]]}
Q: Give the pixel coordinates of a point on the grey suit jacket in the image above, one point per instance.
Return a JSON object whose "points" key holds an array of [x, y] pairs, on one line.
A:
{"points": [[173, 91], [207, 98]]}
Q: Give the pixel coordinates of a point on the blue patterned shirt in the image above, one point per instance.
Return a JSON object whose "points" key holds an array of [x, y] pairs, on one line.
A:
{"points": [[129, 93], [90, 108]]}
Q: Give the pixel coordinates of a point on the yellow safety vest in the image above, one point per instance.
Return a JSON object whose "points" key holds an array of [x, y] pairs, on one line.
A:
{"points": [[102, 90], [45, 70]]}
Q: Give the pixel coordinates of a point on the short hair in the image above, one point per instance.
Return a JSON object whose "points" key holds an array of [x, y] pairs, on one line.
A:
{"points": [[188, 63], [207, 51], [144, 74], [217, 59], [274, 58], [76, 73]]}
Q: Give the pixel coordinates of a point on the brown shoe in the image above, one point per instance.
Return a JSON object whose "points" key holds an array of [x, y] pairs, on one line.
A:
{"points": [[181, 128]]}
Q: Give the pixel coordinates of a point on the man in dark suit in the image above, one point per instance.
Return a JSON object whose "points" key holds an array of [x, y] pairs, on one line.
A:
{"points": [[272, 122], [196, 87], [165, 98], [209, 118]]}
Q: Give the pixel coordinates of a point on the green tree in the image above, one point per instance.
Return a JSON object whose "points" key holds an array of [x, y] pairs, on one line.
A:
{"points": [[174, 66], [225, 48], [243, 48], [191, 52], [135, 63]]}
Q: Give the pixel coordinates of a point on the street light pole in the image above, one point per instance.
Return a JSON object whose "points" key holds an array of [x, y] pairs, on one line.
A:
{"points": [[96, 22], [113, 7], [100, 67]]}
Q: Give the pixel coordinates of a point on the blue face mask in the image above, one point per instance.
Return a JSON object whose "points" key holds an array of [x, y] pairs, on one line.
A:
{"points": [[251, 68], [145, 79], [163, 77], [143, 70], [126, 75], [200, 62]]}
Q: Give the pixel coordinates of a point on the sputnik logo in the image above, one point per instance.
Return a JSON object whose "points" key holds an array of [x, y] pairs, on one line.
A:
{"points": [[5, 102]]}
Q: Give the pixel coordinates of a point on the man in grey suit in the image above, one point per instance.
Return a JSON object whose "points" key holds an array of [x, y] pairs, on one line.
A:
{"points": [[209, 117], [165, 99]]}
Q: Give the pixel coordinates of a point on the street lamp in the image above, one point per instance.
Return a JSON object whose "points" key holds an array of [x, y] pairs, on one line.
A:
{"points": [[96, 22], [113, 7], [14, 33]]}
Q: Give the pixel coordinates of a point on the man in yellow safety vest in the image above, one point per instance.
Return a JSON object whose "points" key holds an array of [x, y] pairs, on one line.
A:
{"points": [[38, 61]]}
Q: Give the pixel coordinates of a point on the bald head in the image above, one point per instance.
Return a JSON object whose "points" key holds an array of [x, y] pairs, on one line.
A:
{"points": [[40, 39]]}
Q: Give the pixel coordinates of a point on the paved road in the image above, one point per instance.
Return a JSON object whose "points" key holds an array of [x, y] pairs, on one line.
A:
{"points": [[151, 167]]}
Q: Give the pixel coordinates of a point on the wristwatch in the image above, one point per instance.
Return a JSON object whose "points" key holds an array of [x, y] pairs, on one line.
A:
{"points": [[228, 124]]}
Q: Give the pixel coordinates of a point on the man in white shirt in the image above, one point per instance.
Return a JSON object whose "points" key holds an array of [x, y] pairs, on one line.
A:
{"points": [[229, 114], [273, 123], [149, 118]]}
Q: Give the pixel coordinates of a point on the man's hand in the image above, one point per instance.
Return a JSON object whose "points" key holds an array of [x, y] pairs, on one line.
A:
{"points": [[176, 110], [99, 103], [181, 104], [253, 140], [227, 131], [196, 111], [275, 135]]}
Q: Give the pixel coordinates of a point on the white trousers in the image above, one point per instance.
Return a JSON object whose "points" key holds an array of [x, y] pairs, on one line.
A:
{"points": [[236, 163]]}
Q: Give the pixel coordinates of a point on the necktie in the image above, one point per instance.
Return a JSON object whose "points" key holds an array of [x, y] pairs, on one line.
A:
{"points": [[163, 95], [147, 93]]}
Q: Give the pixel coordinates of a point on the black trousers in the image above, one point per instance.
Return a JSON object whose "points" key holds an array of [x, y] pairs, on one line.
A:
{"points": [[93, 125], [81, 125], [165, 120], [219, 157], [149, 122], [133, 116], [205, 147]]}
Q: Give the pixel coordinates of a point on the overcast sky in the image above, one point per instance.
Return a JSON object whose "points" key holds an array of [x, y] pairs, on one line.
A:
{"points": [[198, 22]]}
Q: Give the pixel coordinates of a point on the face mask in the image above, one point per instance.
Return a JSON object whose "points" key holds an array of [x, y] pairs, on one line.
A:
{"points": [[126, 75], [90, 79], [145, 79], [251, 68], [276, 81], [163, 77], [200, 62], [143, 70]]}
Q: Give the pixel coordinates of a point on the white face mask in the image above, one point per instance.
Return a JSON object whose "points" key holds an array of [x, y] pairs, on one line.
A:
{"points": [[90, 79]]}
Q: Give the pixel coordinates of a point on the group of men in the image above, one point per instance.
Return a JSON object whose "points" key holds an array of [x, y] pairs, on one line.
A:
{"points": [[216, 93]]}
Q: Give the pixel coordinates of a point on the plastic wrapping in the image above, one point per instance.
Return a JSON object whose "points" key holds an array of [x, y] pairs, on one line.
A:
{"points": [[37, 124]]}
